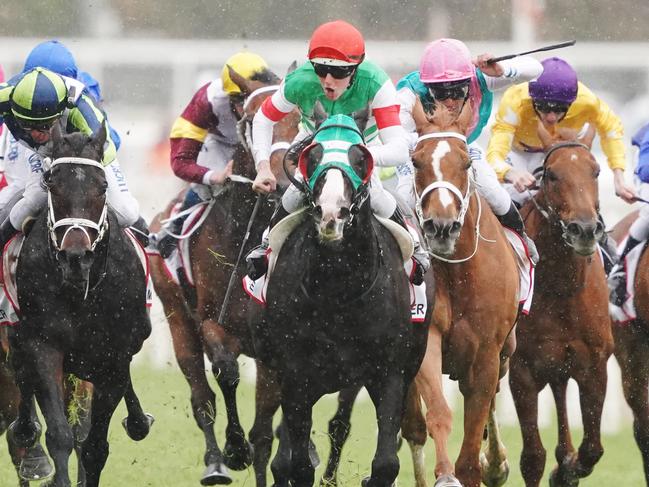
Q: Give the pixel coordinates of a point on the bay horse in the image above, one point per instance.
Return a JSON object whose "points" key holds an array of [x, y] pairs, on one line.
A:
{"points": [[632, 348], [72, 319], [338, 307], [193, 321], [568, 331], [476, 306]]}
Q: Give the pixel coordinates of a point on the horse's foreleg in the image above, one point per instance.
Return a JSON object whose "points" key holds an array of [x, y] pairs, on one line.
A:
{"points": [[223, 350], [267, 402], [525, 391], [105, 398], [439, 417], [297, 407], [495, 468], [138, 423], [339, 427], [413, 430], [478, 389], [387, 393], [631, 351]]}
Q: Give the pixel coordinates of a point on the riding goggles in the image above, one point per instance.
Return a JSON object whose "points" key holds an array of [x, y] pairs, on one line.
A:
{"points": [[440, 93], [543, 106], [336, 72], [37, 125]]}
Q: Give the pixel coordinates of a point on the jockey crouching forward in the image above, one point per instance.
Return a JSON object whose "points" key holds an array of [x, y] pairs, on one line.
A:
{"points": [[204, 137], [639, 230], [339, 79], [30, 105], [448, 76], [558, 100]]}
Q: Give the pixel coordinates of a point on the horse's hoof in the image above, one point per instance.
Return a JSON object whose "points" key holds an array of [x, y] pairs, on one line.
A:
{"points": [[35, 465], [238, 456], [492, 477], [25, 437], [557, 481], [313, 455], [138, 430], [216, 474], [447, 481], [366, 482]]}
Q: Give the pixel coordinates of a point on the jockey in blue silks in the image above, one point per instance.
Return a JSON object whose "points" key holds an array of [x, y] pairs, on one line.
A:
{"points": [[639, 231]]}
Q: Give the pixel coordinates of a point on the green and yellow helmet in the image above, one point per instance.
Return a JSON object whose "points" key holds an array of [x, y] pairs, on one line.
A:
{"points": [[39, 97], [244, 63]]}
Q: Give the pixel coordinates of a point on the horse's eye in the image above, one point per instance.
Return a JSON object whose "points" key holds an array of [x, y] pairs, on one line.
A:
{"points": [[596, 173], [550, 176]]}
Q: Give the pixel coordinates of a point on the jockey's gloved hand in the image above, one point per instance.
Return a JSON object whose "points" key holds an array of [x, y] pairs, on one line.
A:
{"points": [[417, 276]]}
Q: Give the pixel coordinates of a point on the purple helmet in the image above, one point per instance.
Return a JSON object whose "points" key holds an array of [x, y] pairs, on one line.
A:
{"points": [[557, 83]]}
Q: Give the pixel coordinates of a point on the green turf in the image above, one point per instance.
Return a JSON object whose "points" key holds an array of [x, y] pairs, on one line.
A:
{"points": [[172, 454]]}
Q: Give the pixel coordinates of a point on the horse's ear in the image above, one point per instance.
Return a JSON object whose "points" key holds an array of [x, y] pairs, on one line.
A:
{"points": [[544, 135], [359, 158], [466, 117], [57, 136], [567, 134], [239, 80], [442, 117], [587, 138], [314, 156], [291, 67], [361, 117], [319, 113], [99, 139]]}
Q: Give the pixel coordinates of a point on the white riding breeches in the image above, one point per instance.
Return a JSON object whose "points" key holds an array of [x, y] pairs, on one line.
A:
{"points": [[640, 228], [34, 199], [383, 203], [523, 161], [14, 158], [484, 176], [214, 155]]}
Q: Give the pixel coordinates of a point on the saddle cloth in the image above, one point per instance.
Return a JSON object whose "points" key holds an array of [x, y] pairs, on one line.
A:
{"points": [[626, 313], [179, 260], [277, 236], [525, 270], [9, 309]]}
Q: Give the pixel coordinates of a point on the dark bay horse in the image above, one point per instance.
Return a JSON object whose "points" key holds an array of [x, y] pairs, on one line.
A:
{"points": [[568, 332], [194, 325], [632, 348], [82, 297], [476, 305], [338, 309]]}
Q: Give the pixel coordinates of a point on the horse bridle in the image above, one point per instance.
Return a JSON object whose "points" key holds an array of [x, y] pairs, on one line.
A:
{"points": [[463, 198], [73, 223], [548, 212]]}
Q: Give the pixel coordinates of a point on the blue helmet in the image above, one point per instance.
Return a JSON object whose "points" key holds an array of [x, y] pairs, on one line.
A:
{"points": [[54, 56]]}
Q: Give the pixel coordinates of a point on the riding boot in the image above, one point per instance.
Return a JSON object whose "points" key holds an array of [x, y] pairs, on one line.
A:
{"points": [[609, 249], [7, 231], [512, 219], [419, 255], [617, 277], [256, 259], [141, 231]]}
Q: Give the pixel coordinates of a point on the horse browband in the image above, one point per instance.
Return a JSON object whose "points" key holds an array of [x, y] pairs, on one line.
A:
{"points": [[77, 160]]}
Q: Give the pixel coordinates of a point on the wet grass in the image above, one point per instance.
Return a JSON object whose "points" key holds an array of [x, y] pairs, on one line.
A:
{"points": [[172, 454]]}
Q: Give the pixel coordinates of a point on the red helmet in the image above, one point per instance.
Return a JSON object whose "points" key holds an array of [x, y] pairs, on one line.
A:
{"points": [[337, 43]]}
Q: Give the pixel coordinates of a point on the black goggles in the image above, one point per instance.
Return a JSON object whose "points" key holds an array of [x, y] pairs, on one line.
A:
{"points": [[38, 125], [440, 93], [542, 106], [336, 72]]}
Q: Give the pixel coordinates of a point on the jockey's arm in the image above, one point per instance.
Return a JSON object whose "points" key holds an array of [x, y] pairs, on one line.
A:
{"points": [[407, 99], [393, 150], [502, 134], [88, 119], [274, 108], [517, 70]]}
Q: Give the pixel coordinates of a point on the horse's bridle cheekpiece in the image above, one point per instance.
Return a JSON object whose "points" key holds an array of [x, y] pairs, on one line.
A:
{"points": [[76, 223]]}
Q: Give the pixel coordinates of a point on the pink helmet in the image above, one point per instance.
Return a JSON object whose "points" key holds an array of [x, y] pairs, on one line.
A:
{"points": [[2, 75], [446, 60]]}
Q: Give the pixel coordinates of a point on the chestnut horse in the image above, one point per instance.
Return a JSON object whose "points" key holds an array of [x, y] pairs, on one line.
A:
{"points": [[567, 333], [477, 288], [632, 348], [195, 329]]}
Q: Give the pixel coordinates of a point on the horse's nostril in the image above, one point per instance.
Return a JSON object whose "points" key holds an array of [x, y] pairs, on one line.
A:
{"points": [[574, 228], [344, 213], [317, 212], [456, 226]]}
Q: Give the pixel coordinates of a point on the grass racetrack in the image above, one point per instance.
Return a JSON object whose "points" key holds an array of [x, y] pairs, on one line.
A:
{"points": [[172, 454]]}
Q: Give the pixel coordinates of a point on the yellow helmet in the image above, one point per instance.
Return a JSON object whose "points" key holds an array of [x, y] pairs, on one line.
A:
{"points": [[247, 64]]}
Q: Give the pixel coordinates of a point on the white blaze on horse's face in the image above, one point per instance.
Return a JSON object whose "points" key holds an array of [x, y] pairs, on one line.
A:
{"points": [[443, 148], [331, 200]]}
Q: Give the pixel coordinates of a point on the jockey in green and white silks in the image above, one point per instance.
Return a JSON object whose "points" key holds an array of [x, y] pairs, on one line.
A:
{"points": [[447, 75], [339, 79]]}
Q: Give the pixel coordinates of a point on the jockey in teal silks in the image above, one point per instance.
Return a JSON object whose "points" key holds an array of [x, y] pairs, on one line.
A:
{"points": [[339, 79]]}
